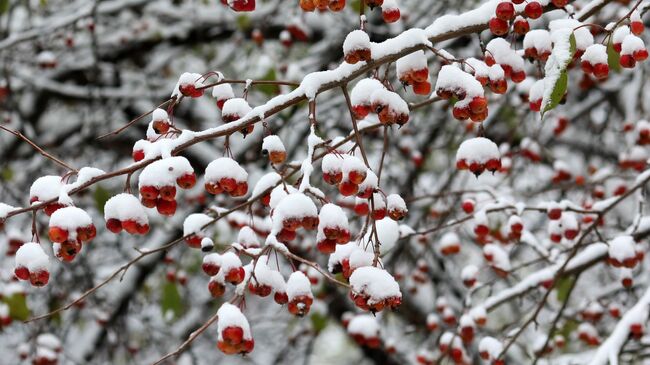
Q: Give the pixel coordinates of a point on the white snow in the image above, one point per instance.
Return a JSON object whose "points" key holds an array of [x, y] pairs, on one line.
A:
{"points": [[631, 43], [222, 92], [265, 183], [164, 172], [31, 256], [235, 108], [194, 223], [362, 91], [298, 285], [70, 218], [595, 54], [296, 205], [332, 216], [124, 207], [231, 316], [356, 40], [46, 188], [272, 143], [377, 283], [225, 167], [622, 248], [365, 325], [412, 62], [479, 149]]}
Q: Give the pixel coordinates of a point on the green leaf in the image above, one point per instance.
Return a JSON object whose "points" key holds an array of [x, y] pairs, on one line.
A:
{"points": [[17, 306], [572, 47], [559, 89], [613, 58], [356, 5], [569, 327], [243, 22], [4, 6], [563, 286], [270, 90], [7, 173], [318, 321], [171, 300], [101, 195]]}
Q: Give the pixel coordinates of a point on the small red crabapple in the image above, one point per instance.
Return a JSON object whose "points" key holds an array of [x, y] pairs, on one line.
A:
{"points": [[521, 26], [498, 26], [637, 27], [138, 155], [505, 10], [533, 10], [468, 206], [166, 207]]}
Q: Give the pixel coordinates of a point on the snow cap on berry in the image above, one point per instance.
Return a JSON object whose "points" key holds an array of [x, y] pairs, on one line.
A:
{"points": [[31, 256], [124, 207], [231, 316]]}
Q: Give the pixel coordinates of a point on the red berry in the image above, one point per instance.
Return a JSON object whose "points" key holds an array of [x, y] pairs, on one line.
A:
{"points": [[166, 207], [149, 192], [39, 278], [114, 225], [498, 26], [468, 206], [636, 27], [627, 61], [138, 155], [640, 55], [58, 234], [533, 10], [187, 181], [391, 15], [21, 272], [505, 10], [521, 26], [348, 188], [601, 70]]}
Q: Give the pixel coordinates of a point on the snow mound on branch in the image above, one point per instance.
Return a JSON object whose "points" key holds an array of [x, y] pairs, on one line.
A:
{"points": [[266, 182], [46, 188], [194, 223], [236, 108], [5, 209]]}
